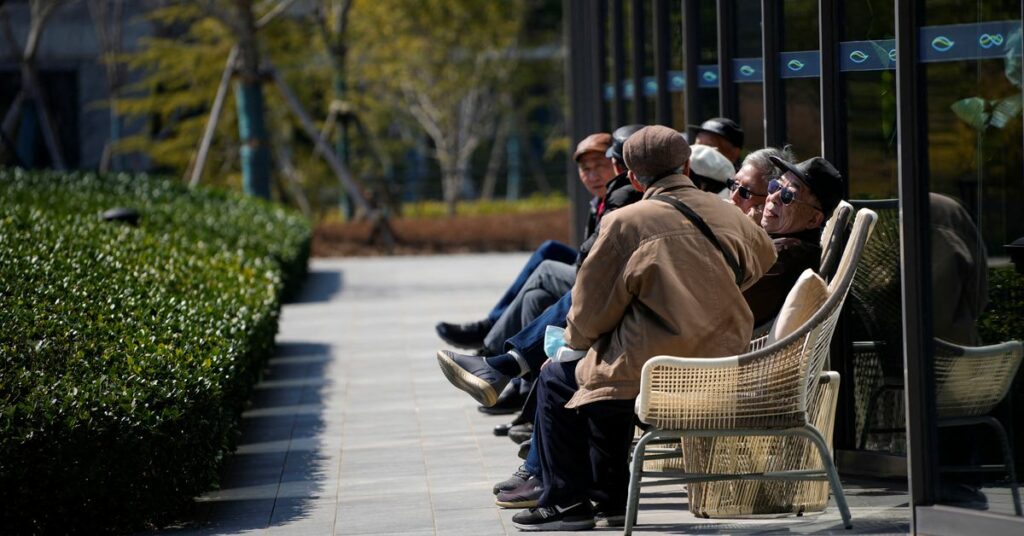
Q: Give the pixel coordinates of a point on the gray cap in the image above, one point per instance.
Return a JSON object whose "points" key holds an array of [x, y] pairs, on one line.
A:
{"points": [[655, 151]]}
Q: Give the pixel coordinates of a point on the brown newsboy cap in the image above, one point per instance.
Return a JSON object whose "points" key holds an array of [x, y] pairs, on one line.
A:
{"points": [[596, 143], [655, 151]]}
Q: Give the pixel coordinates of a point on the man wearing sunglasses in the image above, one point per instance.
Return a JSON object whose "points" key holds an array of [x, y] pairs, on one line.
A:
{"points": [[748, 189], [796, 207]]}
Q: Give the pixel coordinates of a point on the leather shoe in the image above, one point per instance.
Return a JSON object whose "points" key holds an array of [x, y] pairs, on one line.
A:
{"points": [[469, 336]]}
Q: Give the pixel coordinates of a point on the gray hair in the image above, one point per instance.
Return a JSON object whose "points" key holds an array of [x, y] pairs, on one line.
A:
{"points": [[759, 160], [648, 180]]}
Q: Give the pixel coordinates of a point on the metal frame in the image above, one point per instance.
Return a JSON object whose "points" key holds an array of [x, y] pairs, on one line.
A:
{"points": [[807, 431], [583, 84], [601, 51], [636, 15], [691, 66], [833, 109], [662, 59], [772, 84], [727, 102], [618, 63], [915, 257]]}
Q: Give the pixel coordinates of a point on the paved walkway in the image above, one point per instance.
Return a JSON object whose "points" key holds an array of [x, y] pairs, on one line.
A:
{"points": [[354, 430]]}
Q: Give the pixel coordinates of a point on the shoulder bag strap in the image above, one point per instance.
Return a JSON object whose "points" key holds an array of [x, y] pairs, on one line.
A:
{"points": [[700, 224]]}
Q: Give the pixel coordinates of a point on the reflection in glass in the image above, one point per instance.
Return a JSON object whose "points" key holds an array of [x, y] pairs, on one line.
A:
{"points": [[975, 152]]}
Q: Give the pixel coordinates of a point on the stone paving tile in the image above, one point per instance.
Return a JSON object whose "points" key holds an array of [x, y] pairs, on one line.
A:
{"points": [[353, 430]]}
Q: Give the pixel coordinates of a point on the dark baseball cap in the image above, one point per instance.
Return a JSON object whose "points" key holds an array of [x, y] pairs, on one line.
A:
{"points": [[724, 127], [618, 138], [820, 176]]}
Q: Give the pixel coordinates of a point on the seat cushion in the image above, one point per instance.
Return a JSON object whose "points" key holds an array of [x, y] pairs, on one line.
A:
{"points": [[808, 294]]}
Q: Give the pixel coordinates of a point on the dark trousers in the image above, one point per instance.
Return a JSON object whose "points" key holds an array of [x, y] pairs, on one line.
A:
{"points": [[583, 452], [529, 342], [550, 250]]}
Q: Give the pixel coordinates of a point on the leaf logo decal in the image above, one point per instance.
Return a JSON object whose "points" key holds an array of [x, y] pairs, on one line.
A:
{"points": [[942, 43], [747, 70], [892, 54], [858, 56], [710, 76], [795, 65]]}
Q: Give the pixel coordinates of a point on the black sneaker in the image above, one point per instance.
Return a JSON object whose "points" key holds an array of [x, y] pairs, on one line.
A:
{"points": [[469, 336], [579, 516], [524, 496], [473, 375], [521, 475]]}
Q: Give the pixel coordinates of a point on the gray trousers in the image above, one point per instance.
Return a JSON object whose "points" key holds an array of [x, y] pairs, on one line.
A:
{"points": [[545, 286]]}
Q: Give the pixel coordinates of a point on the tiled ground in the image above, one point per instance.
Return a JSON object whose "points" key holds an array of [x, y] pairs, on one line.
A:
{"points": [[355, 431]]}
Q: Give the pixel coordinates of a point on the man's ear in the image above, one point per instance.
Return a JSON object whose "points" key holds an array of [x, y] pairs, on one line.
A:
{"points": [[818, 220], [636, 184]]}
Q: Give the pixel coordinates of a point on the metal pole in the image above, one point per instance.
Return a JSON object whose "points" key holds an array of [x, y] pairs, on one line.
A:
{"points": [[618, 63], [774, 102], [639, 40], [727, 104], [661, 61], [691, 53], [833, 105]]}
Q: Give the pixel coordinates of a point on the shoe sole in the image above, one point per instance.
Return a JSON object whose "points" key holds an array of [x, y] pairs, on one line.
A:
{"points": [[611, 521], [521, 503], [480, 390], [560, 525]]}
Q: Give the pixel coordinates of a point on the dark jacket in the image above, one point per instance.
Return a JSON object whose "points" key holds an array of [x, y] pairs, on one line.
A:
{"points": [[796, 253], [620, 193]]}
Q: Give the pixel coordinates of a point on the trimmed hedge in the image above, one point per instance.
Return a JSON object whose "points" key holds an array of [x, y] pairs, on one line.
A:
{"points": [[1003, 319], [127, 353]]}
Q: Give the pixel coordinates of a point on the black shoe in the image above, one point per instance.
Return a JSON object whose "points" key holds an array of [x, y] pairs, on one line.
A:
{"points": [[524, 448], [501, 430], [469, 336], [509, 401], [521, 475], [520, 432], [579, 516], [524, 496], [473, 375]]}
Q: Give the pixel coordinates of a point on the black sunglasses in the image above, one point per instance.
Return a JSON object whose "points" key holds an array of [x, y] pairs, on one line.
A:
{"points": [[734, 185], [787, 194]]}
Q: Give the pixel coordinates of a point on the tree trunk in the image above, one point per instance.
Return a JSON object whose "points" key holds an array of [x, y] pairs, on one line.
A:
{"points": [[494, 162], [255, 151]]}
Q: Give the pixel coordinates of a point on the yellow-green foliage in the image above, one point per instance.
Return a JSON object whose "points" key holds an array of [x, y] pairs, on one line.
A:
{"points": [[534, 203]]}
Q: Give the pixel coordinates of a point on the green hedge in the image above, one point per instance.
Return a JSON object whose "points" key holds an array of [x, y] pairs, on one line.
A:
{"points": [[1003, 319], [127, 353]]}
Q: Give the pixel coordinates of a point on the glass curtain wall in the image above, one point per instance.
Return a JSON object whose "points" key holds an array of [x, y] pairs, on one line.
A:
{"points": [[800, 72], [969, 65]]}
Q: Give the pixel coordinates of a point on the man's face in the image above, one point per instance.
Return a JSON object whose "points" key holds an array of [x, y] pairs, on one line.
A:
{"points": [[711, 139], [595, 172], [750, 189], [803, 211]]}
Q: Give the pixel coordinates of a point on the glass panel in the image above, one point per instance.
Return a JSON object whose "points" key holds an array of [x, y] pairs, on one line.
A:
{"points": [[750, 95], [708, 60], [971, 68], [801, 94]]}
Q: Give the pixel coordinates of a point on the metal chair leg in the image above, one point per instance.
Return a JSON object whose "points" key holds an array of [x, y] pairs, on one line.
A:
{"points": [[815, 436], [1007, 460], [636, 467]]}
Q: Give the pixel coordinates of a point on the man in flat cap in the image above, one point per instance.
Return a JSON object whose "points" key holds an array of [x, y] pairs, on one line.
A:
{"points": [[655, 283], [723, 134]]}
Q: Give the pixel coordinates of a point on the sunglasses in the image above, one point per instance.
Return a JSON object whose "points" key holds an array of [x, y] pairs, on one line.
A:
{"points": [[733, 185], [787, 194]]}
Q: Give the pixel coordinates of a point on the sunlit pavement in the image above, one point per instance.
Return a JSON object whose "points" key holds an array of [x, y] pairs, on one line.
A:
{"points": [[354, 430]]}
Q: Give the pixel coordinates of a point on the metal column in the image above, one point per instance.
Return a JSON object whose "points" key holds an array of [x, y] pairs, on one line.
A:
{"points": [[691, 61], [662, 57], [727, 103], [639, 39], [774, 99]]}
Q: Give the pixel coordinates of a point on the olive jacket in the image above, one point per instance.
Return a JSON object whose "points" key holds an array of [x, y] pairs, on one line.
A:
{"points": [[655, 285]]}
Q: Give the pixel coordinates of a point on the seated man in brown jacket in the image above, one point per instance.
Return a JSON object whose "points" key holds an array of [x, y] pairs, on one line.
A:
{"points": [[655, 283]]}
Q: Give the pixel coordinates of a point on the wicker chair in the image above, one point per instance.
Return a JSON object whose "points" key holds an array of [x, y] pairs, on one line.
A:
{"points": [[969, 383], [768, 392]]}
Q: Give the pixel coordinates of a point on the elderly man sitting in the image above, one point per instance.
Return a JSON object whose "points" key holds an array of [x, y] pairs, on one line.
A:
{"points": [[665, 277]]}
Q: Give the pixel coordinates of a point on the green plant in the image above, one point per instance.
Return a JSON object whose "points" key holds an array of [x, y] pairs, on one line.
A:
{"points": [[1003, 319], [127, 353]]}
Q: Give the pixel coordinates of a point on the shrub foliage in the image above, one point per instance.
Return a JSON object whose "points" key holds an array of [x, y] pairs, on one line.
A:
{"points": [[127, 353]]}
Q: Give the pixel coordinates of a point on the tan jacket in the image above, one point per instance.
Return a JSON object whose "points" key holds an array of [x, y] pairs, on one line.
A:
{"points": [[655, 285]]}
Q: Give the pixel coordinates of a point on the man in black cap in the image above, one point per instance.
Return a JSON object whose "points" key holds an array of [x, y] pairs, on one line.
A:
{"points": [[723, 134], [798, 204]]}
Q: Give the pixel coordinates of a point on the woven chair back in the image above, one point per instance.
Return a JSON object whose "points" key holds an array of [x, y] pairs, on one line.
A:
{"points": [[970, 381]]}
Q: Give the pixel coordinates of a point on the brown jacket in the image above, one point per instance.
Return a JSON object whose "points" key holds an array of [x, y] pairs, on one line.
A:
{"points": [[655, 285]]}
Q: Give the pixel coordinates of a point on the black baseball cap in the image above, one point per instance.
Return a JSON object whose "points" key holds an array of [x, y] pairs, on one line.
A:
{"points": [[618, 138], [724, 127], [820, 176]]}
